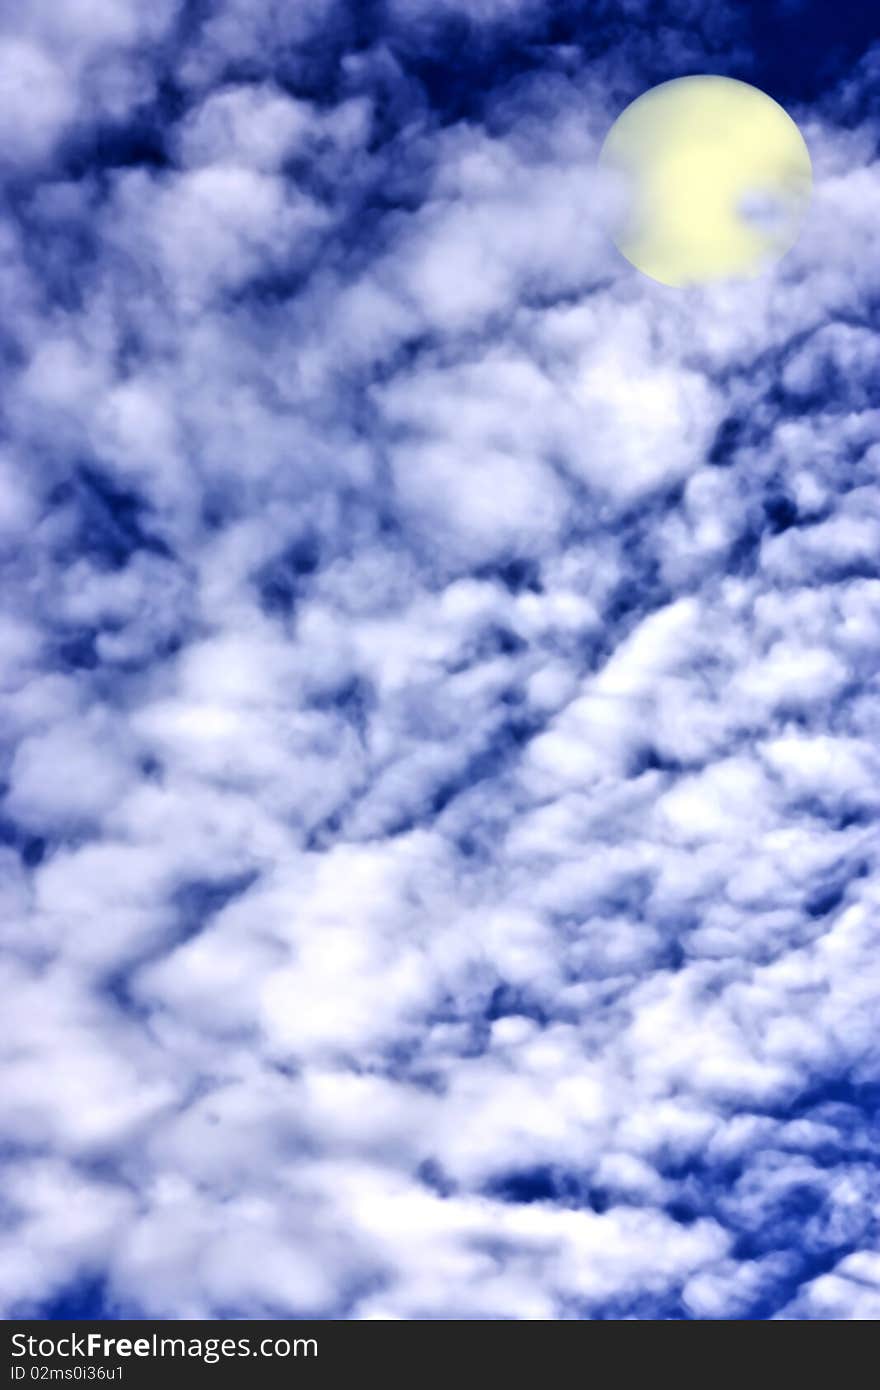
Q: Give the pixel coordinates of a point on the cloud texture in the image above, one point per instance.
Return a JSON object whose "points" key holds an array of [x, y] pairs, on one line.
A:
{"points": [[439, 677]]}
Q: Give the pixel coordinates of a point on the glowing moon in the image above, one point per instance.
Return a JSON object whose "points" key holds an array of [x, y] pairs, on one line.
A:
{"points": [[715, 180]]}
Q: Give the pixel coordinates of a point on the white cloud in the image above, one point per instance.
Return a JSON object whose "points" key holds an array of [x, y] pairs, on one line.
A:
{"points": [[28, 132], [439, 703]]}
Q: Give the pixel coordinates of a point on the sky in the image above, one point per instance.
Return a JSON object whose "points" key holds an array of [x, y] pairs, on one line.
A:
{"points": [[439, 674]]}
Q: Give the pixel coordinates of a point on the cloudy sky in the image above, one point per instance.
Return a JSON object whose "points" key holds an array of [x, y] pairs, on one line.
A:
{"points": [[440, 705]]}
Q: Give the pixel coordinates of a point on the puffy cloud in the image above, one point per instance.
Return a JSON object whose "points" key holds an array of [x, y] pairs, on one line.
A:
{"points": [[65, 66], [438, 681]]}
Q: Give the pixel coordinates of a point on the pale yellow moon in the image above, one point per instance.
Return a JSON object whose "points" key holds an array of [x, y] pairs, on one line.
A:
{"points": [[715, 180]]}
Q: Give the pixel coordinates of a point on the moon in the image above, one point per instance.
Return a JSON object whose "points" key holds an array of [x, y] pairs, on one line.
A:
{"points": [[714, 180]]}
